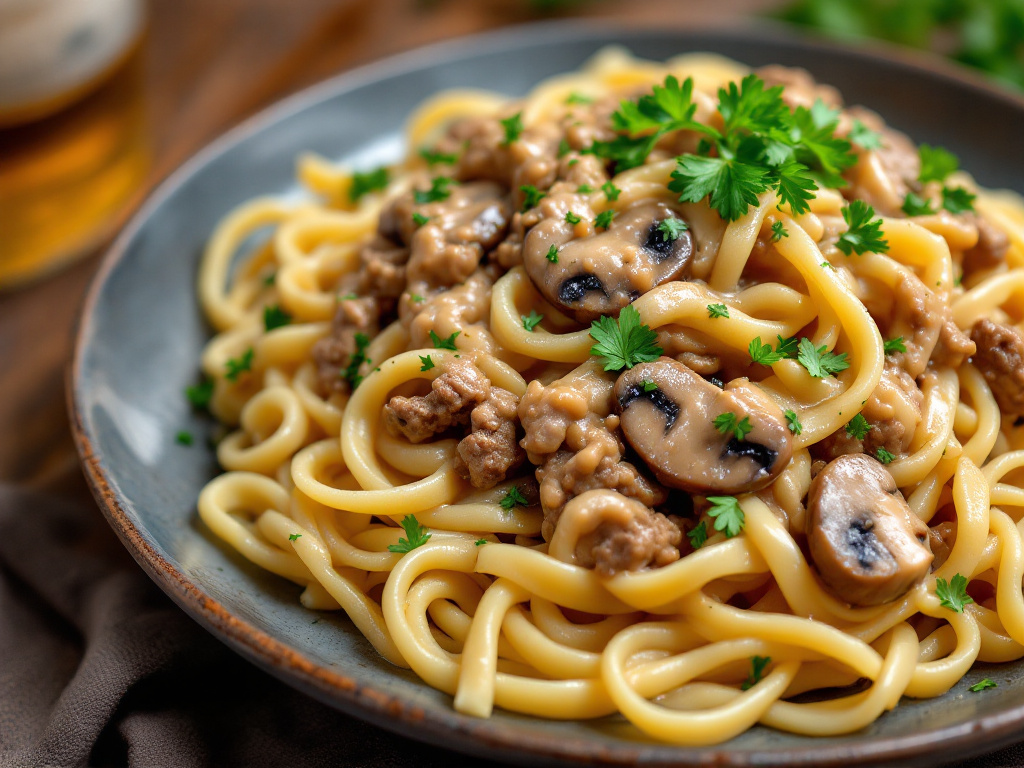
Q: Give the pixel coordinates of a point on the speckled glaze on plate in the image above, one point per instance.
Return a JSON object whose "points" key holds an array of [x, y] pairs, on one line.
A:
{"points": [[141, 335]]}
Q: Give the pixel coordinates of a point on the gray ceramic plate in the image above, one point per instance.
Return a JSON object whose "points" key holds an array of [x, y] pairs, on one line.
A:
{"points": [[142, 332]]}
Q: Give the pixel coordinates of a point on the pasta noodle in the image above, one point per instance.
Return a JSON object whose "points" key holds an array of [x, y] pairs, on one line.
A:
{"points": [[426, 436]]}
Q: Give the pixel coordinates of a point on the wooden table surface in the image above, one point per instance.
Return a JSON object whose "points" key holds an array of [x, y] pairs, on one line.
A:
{"points": [[207, 65]]}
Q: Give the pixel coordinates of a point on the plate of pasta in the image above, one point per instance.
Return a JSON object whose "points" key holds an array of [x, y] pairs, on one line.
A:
{"points": [[633, 396]]}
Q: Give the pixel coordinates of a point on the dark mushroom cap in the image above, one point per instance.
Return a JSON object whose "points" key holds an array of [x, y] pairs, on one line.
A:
{"points": [[866, 542], [670, 423], [600, 274]]}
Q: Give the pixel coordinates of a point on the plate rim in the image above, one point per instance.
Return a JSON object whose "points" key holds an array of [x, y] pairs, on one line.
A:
{"points": [[487, 738]]}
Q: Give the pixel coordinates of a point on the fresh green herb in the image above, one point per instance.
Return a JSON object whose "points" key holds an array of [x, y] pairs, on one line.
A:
{"points": [[572, 218], [604, 219], [864, 231], [758, 665], [584, 189], [364, 183], [892, 346], [419, 219], [236, 366], [827, 265], [787, 347], [578, 98], [864, 137], [728, 515], [858, 427], [671, 229], [269, 279], [349, 297], [199, 395], [351, 371], [624, 343], [884, 456], [531, 320], [794, 423], [718, 310], [698, 535], [563, 148], [440, 343], [480, 542], [936, 163], [763, 353], [958, 199], [914, 205], [513, 497], [779, 231], [184, 438], [820, 362], [426, 363], [416, 298], [958, 280], [952, 594], [438, 158], [982, 685], [727, 422], [513, 127], [294, 536], [648, 385], [417, 534], [611, 192], [531, 196], [438, 191], [552, 254], [275, 317]]}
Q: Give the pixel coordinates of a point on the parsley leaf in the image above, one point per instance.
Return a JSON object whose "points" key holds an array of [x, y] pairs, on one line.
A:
{"points": [[952, 594], [727, 513], [531, 196], [913, 205], [480, 542], [936, 163], [513, 127], [698, 535], [884, 456], [864, 231], [758, 665], [982, 685], [530, 321], [624, 343], [718, 310], [763, 353], [236, 366], [572, 218], [552, 254], [858, 427], [417, 534], [270, 279], [611, 192], [779, 231], [584, 189], [351, 371], [275, 317], [648, 385], [438, 158], [864, 137], [513, 497], [820, 362], [419, 219], [727, 422], [892, 346], [603, 220], [364, 183], [427, 363], [184, 438], [578, 98], [448, 343], [438, 190], [294, 536], [787, 347], [733, 185], [563, 147], [958, 199], [199, 395], [794, 423], [671, 229]]}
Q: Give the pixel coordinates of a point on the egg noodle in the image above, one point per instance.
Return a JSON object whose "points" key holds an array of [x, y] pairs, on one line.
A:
{"points": [[486, 609]]}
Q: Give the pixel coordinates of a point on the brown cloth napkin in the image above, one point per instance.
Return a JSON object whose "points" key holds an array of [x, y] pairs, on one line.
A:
{"points": [[99, 668]]}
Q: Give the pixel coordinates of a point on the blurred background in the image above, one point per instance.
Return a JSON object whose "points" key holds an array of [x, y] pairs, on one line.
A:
{"points": [[99, 100]]}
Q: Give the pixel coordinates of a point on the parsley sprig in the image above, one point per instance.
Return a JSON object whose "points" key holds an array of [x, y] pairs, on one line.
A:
{"points": [[364, 183], [275, 317], [818, 361], [624, 343], [728, 422], [438, 190], [758, 665], [236, 366], [864, 231], [513, 497], [728, 515], [446, 343], [418, 536], [351, 371], [698, 535], [858, 427], [531, 320], [952, 594]]}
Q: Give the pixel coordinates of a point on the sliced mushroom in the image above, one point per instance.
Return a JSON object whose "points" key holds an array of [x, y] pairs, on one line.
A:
{"points": [[668, 414], [867, 544], [478, 212], [600, 274]]}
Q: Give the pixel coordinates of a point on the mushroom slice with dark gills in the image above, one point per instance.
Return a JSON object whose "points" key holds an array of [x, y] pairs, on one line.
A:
{"points": [[644, 246], [865, 541], [668, 414]]}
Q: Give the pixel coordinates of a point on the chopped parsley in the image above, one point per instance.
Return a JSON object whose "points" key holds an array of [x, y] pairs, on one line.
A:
{"points": [[982, 685], [648, 385], [416, 298], [572, 218], [936, 163], [419, 219], [728, 515], [270, 278], [952, 594], [199, 395], [727, 422], [584, 189], [884, 456], [698, 535], [958, 199], [779, 231], [864, 231], [892, 346], [578, 98], [758, 665], [275, 317], [787, 347], [513, 497], [417, 534], [624, 343], [914, 205], [236, 366], [552, 254], [294, 536], [438, 158], [531, 196], [611, 192], [351, 371], [531, 320], [763, 353], [364, 183], [563, 148], [671, 229], [794, 423], [819, 362], [184, 438], [858, 427], [425, 363], [438, 191], [448, 343], [513, 127], [718, 310], [480, 542], [603, 220], [864, 137]]}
